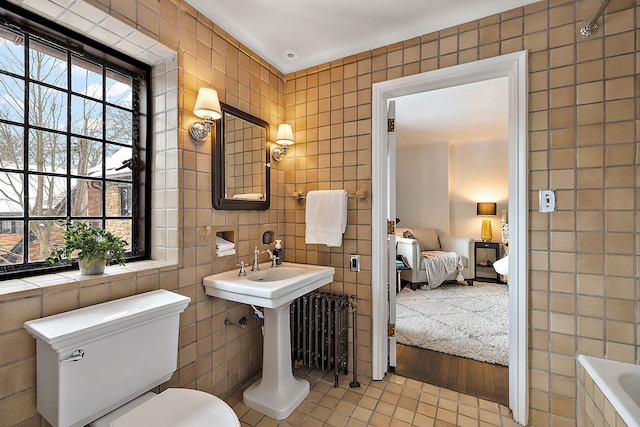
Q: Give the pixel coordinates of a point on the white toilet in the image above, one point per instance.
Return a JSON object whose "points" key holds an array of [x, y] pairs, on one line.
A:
{"points": [[97, 365]]}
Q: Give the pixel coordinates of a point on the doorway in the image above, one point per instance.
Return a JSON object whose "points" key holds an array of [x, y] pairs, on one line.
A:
{"points": [[514, 67], [451, 152]]}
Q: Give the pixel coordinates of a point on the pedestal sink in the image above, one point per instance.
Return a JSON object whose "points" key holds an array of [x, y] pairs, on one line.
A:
{"points": [[278, 393]]}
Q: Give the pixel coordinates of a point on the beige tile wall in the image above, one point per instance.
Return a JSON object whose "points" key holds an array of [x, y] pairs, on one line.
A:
{"points": [[193, 53], [583, 98], [582, 122]]}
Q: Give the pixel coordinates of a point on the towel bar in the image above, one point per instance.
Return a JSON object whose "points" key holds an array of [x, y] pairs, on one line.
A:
{"points": [[360, 194]]}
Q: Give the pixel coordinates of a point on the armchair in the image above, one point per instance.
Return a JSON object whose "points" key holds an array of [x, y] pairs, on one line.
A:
{"points": [[428, 239]]}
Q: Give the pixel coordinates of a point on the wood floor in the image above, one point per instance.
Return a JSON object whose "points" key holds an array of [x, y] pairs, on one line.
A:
{"points": [[479, 379]]}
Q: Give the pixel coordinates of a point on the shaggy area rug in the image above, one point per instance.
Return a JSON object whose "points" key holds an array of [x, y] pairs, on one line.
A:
{"points": [[466, 321]]}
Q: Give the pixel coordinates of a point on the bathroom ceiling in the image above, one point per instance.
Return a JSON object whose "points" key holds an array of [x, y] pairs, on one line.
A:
{"points": [[296, 34]]}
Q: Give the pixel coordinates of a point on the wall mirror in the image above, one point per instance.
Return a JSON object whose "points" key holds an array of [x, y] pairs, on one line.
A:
{"points": [[241, 162]]}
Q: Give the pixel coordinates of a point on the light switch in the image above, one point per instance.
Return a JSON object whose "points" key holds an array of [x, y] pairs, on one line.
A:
{"points": [[547, 201], [355, 263]]}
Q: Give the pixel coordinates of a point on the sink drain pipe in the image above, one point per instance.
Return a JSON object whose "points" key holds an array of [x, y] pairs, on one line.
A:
{"points": [[354, 314]]}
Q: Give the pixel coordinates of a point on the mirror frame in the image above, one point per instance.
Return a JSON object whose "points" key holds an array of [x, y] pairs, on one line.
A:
{"points": [[218, 163]]}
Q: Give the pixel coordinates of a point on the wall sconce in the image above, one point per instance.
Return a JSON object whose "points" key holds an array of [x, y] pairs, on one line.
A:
{"points": [[284, 138], [207, 108], [486, 209]]}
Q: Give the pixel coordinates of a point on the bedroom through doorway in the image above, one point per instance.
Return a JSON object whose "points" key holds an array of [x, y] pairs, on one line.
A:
{"points": [[451, 152]]}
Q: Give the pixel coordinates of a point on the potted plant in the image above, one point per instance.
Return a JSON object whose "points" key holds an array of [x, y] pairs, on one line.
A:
{"points": [[96, 246]]}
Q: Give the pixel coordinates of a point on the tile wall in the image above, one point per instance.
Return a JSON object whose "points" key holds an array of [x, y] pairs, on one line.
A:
{"points": [[583, 96], [187, 51]]}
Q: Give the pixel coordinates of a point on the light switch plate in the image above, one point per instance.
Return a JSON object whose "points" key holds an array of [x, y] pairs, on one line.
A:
{"points": [[547, 201], [354, 265]]}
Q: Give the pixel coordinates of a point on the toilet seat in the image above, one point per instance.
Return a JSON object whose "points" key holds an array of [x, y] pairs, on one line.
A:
{"points": [[176, 407]]}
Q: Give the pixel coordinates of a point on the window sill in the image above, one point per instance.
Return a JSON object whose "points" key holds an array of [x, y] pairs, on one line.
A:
{"points": [[36, 285]]}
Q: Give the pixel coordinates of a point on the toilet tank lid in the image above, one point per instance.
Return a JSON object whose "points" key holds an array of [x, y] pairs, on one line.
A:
{"points": [[134, 309]]}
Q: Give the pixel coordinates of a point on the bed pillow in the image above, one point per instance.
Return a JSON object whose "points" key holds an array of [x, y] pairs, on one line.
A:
{"points": [[428, 238]]}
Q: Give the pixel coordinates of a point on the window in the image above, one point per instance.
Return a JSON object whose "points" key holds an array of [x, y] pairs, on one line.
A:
{"points": [[11, 227], [71, 143]]}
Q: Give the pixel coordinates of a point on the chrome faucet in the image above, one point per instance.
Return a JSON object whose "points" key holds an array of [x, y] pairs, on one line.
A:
{"points": [[256, 260], [273, 258]]}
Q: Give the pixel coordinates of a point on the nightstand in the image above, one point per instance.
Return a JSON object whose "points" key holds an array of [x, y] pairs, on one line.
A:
{"points": [[486, 253], [401, 265]]}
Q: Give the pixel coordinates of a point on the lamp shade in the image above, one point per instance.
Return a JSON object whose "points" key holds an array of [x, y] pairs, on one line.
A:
{"points": [[486, 208], [207, 104], [285, 134]]}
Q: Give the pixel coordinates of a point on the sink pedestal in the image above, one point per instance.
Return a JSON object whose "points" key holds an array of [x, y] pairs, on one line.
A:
{"points": [[278, 392]]}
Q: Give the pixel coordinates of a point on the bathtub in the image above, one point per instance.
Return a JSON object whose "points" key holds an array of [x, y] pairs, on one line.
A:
{"points": [[619, 382]]}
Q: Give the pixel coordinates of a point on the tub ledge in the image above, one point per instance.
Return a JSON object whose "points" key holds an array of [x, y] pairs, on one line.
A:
{"points": [[619, 382]]}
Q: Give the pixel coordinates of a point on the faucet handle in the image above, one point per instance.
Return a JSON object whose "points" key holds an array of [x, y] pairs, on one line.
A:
{"points": [[242, 271], [273, 258]]}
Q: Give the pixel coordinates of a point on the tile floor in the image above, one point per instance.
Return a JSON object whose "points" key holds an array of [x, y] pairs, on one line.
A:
{"points": [[394, 401]]}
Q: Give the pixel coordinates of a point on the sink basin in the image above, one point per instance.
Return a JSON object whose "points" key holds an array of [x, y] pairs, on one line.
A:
{"points": [[277, 393], [269, 287], [274, 274]]}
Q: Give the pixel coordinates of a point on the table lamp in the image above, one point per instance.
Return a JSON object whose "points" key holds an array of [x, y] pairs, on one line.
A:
{"points": [[485, 209]]}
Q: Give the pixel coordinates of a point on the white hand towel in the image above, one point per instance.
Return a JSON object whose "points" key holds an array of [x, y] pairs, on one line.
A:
{"points": [[326, 217], [223, 244], [225, 252], [249, 196]]}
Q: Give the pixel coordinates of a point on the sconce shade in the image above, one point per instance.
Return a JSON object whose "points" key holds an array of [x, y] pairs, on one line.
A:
{"points": [[285, 135], [486, 208], [207, 104]]}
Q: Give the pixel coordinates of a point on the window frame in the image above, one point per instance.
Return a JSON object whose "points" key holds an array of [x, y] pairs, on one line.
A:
{"points": [[78, 45]]}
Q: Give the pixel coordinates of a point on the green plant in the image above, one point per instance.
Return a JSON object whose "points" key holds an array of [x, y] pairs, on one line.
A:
{"points": [[93, 244]]}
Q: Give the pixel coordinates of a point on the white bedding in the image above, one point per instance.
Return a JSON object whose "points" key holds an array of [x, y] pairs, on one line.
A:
{"points": [[439, 265]]}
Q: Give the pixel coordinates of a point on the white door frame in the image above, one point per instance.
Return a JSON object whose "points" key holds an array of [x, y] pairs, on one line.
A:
{"points": [[514, 67], [393, 276]]}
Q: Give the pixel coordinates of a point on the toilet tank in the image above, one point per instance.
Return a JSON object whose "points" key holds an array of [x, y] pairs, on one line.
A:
{"points": [[129, 346]]}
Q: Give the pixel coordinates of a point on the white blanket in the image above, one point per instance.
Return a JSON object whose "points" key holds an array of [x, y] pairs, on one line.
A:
{"points": [[439, 265]]}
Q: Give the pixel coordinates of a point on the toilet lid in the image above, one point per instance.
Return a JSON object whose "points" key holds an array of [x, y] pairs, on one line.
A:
{"points": [[180, 407]]}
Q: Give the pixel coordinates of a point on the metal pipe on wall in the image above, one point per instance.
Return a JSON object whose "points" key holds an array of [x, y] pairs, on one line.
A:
{"points": [[592, 26]]}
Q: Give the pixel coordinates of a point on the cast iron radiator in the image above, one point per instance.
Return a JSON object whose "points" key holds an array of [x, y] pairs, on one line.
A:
{"points": [[319, 332]]}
